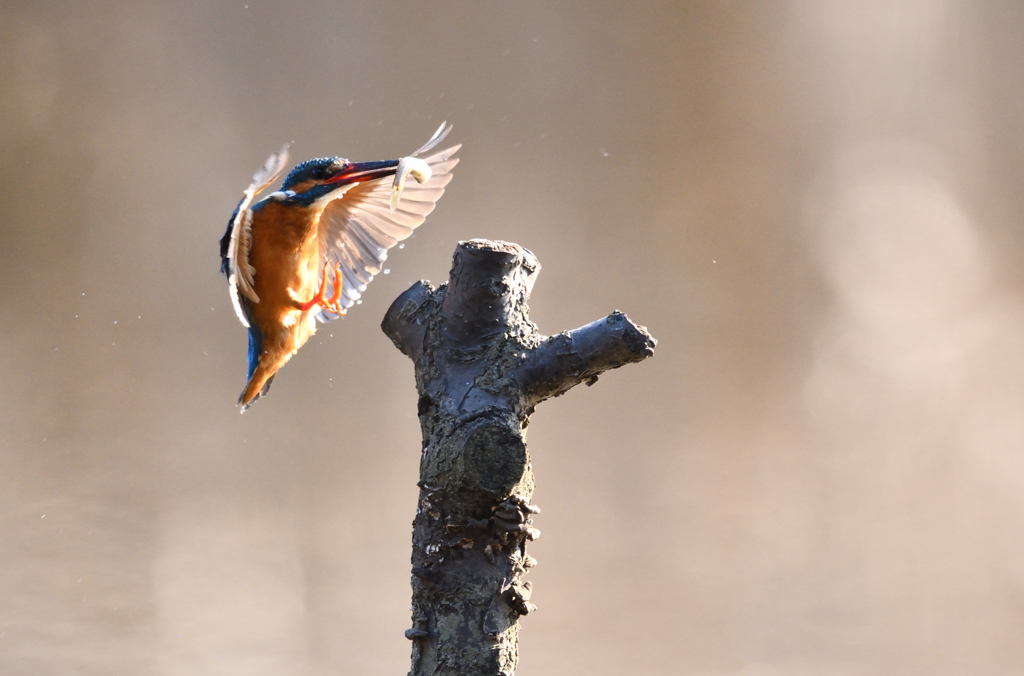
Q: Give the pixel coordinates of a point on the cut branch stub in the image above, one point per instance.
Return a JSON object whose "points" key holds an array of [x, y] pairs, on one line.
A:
{"points": [[481, 368]]}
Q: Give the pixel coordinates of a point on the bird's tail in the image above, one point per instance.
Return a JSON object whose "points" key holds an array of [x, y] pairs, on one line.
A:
{"points": [[258, 386]]}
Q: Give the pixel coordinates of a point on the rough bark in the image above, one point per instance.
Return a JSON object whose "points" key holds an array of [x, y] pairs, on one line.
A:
{"points": [[481, 368]]}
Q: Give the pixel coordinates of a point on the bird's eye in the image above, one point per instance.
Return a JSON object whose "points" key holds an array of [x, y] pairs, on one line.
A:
{"points": [[319, 173]]}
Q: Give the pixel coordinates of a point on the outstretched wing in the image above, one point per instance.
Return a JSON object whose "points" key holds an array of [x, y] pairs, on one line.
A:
{"points": [[357, 229], [234, 246]]}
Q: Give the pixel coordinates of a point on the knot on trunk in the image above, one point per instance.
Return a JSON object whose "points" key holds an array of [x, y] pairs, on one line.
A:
{"points": [[493, 453]]}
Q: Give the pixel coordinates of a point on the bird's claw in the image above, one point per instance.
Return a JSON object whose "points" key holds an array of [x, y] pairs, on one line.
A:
{"points": [[332, 304]]}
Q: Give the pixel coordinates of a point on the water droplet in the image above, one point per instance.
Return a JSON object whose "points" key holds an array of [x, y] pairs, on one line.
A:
{"points": [[603, 152], [387, 271], [402, 245], [359, 302]]}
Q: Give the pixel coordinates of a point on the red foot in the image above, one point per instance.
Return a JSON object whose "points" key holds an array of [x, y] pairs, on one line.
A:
{"points": [[332, 304]]}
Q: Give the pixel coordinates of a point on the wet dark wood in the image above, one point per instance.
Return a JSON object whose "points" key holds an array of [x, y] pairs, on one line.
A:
{"points": [[481, 367]]}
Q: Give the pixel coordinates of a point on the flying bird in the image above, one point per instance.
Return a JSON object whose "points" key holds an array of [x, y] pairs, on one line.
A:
{"points": [[306, 252]]}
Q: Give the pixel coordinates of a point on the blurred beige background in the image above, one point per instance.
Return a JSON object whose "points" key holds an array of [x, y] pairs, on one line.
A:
{"points": [[815, 206]]}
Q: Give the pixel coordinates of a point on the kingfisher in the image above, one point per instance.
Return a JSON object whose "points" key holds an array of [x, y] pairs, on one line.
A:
{"points": [[306, 252]]}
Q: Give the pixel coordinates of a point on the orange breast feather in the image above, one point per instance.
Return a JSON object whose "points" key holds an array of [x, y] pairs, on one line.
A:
{"points": [[285, 255]]}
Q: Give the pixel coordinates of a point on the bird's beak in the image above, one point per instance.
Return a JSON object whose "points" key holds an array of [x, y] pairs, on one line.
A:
{"points": [[358, 172]]}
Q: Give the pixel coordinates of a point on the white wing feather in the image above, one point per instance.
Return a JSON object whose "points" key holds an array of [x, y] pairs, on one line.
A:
{"points": [[438, 136], [357, 229], [240, 279]]}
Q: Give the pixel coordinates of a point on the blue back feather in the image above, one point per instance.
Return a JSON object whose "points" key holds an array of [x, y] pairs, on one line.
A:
{"points": [[225, 242], [255, 348]]}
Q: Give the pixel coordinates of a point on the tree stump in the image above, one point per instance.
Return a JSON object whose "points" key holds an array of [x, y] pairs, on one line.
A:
{"points": [[481, 368]]}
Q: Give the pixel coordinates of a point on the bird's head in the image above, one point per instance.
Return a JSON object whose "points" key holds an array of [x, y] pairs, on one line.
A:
{"points": [[316, 179]]}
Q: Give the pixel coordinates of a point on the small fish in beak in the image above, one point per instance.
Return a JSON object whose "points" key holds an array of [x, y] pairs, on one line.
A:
{"points": [[419, 170]]}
